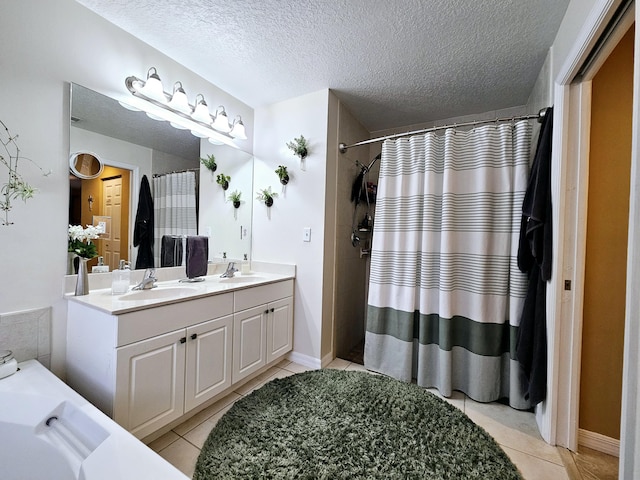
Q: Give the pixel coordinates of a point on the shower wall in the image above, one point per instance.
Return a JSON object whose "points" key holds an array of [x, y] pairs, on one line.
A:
{"points": [[350, 269]]}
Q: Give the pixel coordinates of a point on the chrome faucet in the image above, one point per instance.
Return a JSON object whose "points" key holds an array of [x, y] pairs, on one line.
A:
{"points": [[231, 269], [148, 280]]}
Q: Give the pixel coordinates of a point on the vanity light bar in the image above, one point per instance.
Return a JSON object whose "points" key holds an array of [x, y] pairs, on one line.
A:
{"points": [[160, 106]]}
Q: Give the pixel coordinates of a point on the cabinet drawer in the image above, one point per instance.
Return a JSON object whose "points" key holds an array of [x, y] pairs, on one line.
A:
{"points": [[252, 297], [151, 322]]}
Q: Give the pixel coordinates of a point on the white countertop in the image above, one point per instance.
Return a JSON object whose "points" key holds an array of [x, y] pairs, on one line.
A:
{"points": [[174, 291]]}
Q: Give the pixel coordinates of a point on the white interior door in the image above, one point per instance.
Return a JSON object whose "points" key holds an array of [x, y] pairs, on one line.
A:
{"points": [[112, 207]]}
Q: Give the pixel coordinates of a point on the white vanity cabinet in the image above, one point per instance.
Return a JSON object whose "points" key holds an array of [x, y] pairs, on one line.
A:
{"points": [[161, 378], [146, 367], [262, 329]]}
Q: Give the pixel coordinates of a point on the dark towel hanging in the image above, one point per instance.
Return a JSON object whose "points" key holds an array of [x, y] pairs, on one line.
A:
{"points": [[197, 256], [534, 258], [143, 231], [171, 251]]}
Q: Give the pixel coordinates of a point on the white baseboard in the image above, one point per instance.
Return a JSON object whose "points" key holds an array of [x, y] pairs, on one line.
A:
{"points": [[306, 360], [599, 442]]}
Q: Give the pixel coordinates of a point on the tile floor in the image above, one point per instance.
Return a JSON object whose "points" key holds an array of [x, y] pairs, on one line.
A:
{"points": [[515, 431]]}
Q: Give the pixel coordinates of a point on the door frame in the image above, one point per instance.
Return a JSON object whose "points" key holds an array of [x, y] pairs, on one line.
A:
{"points": [[558, 417]]}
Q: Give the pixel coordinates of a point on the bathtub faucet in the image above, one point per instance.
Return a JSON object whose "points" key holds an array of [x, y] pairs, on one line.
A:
{"points": [[148, 280], [231, 269]]}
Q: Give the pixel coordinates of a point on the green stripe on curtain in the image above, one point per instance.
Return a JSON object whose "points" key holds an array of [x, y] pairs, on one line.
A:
{"points": [[489, 339]]}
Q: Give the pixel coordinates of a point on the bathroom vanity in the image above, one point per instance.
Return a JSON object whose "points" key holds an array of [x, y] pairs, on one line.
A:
{"points": [[150, 357]]}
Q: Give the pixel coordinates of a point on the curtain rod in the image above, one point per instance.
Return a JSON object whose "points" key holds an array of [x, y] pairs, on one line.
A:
{"points": [[197, 170], [539, 116]]}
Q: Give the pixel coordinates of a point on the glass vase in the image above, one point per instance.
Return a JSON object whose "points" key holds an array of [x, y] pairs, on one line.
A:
{"points": [[82, 282]]}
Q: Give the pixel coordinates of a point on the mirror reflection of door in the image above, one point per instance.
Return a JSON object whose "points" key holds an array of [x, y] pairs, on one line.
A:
{"points": [[105, 196], [112, 207]]}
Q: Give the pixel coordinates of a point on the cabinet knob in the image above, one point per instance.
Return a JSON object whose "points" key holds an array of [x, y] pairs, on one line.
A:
{"points": [[183, 339], [272, 310], [266, 311], [194, 336]]}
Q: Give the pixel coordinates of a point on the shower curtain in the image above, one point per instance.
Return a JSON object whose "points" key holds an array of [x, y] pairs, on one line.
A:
{"points": [[445, 292], [174, 205]]}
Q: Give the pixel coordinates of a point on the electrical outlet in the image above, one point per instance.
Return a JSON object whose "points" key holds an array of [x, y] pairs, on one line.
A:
{"points": [[306, 234]]}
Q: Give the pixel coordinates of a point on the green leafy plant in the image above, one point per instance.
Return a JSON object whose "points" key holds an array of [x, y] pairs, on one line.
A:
{"points": [[223, 180], [210, 163], [266, 195], [282, 173], [299, 146], [16, 186], [235, 198]]}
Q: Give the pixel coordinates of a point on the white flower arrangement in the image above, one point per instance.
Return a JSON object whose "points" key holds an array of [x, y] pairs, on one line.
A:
{"points": [[80, 240]]}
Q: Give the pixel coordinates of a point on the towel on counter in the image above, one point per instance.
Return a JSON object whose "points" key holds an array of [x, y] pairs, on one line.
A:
{"points": [[143, 231], [197, 256], [171, 251]]}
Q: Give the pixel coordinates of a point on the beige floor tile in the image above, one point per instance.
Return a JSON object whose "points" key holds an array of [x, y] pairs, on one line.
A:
{"points": [[198, 435], [182, 455], [339, 364], [569, 464], [534, 468], [297, 368], [283, 363], [513, 428], [164, 441], [208, 412], [250, 386], [358, 368], [268, 373], [456, 399]]}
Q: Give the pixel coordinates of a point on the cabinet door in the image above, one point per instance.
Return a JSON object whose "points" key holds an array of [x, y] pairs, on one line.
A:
{"points": [[279, 328], [208, 370], [150, 383], [249, 330]]}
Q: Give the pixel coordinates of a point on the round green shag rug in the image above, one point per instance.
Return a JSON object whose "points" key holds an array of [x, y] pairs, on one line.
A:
{"points": [[348, 425]]}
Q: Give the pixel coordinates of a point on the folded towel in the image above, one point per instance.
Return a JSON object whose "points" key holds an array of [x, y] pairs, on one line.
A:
{"points": [[171, 251], [197, 256]]}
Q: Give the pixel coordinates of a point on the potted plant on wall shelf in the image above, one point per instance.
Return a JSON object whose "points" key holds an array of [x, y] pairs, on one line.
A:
{"points": [[299, 146], [235, 198], [223, 180], [210, 163], [282, 174], [266, 195]]}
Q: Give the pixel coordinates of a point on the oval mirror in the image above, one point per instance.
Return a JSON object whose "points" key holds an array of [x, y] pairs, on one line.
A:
{"points": [[85, 165]]}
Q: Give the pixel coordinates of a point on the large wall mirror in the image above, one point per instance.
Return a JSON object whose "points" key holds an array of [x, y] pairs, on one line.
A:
{"points": [[131, 145]]}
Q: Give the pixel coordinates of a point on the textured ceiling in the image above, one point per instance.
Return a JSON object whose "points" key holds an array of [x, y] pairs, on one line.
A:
{"points": [[392, 62]]}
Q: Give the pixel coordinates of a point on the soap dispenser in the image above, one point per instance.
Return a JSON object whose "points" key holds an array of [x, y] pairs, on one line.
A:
{"points": [[121, 278], [244, 267], [101, 267]]}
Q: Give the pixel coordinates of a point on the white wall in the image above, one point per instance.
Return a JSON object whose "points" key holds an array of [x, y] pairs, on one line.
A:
{"points": [[45, 45], [277, 231]]}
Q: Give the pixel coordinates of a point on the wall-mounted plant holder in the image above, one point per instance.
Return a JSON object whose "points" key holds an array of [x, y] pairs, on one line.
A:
{"points": [[223, 180], [283, 175], [235, 198], [210, 163], [266, 195], [300, 147]]}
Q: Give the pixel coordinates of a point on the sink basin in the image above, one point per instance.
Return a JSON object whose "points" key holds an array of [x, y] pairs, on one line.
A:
{"points": [[242, 279], [157, 293]]}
